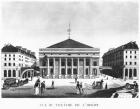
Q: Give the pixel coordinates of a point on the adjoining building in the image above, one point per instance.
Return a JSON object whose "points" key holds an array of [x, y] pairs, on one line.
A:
{"points": [[69, 59], [123, 60], [14, 59]]}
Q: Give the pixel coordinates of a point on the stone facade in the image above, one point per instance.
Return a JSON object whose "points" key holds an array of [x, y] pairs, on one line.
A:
{"points": [[124, 60], [69, 61]]}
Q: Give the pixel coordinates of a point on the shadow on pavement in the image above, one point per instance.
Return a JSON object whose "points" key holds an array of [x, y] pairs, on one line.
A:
{"points": [[50, 88]]}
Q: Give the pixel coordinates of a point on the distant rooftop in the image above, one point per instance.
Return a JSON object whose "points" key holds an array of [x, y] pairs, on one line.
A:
{"points": [[130, 45], [11, 48]]}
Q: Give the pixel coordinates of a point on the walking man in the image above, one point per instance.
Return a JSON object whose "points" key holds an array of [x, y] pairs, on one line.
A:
{"points": [[78, 88], [52, 84], [42, 87]]}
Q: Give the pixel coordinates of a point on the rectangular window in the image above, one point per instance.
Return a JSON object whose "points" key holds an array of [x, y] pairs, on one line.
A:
{"points": [[75, 63], [51, 63], [130, 56], [135, 52], [5, 73], [9, 64], [63, 63], [13, 64], [135, 63], [13, 58], [130, 51], [126, 56], [94, 63], [13, 55], [125, 63], [5, 64], [130, 63], [135, 57], [5, 55], [69, 63], [126, 51], [9, 55], [5, 59], [9, 59]]}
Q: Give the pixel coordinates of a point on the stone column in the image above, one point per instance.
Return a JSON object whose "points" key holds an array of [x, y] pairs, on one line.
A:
{"points": [[66, 68], [53, 67], [48, 68], [72, 67], [84, 67], [59, 67], [78, 67], [90, 68]]}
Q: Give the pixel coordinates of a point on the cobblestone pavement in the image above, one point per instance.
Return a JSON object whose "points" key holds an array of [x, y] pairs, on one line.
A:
{"points": [[63, 88]]}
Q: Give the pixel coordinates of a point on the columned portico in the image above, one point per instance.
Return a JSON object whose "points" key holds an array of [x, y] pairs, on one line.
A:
{"points": [[69, 62]]}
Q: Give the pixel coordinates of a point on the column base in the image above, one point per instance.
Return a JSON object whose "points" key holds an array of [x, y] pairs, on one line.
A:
{"points": [[91, 76], [85, 76], [47, 76], [66, 76], [72, 76], [59, 76], [53, 76]]}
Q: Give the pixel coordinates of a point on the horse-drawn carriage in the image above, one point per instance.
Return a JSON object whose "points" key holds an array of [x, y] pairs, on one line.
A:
{"points": [[9, 82], [97, 84], [12, 82]]}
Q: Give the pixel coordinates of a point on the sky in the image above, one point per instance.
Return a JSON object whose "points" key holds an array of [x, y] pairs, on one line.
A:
{"points": [[35, 25]]}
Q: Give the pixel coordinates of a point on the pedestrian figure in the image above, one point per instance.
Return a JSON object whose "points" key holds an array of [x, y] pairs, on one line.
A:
{"points": [[76, 79], [81, 88], [36, 88], [78, 87], [101, 83], [42, 87], [135, 86], [93, 84], [52, 84], [106, 86]]}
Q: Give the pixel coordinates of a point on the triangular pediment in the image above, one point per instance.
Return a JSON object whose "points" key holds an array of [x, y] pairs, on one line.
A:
{"points": [[69, 43]]}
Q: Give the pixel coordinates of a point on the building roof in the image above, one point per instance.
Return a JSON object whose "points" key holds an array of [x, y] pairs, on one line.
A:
{"points": [[11, 48], [69, 43], [130, 45]]}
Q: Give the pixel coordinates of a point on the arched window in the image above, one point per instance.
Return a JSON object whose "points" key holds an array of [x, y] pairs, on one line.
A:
{"points": [[130, 72], [94, 63], [9, 73], [94, 72], [135, 72], [14, 73], [126, 72], [87, 71], [5, 73]]}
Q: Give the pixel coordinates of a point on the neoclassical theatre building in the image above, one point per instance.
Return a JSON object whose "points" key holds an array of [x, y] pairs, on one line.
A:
{"points": [[69, 59]]}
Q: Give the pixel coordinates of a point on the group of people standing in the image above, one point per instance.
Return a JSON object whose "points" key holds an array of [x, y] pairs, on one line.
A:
{"points": [[79, 87], [39, 87]]}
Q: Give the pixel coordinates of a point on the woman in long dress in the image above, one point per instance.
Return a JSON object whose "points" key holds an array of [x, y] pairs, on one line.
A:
{"points": [[37, 88]]}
